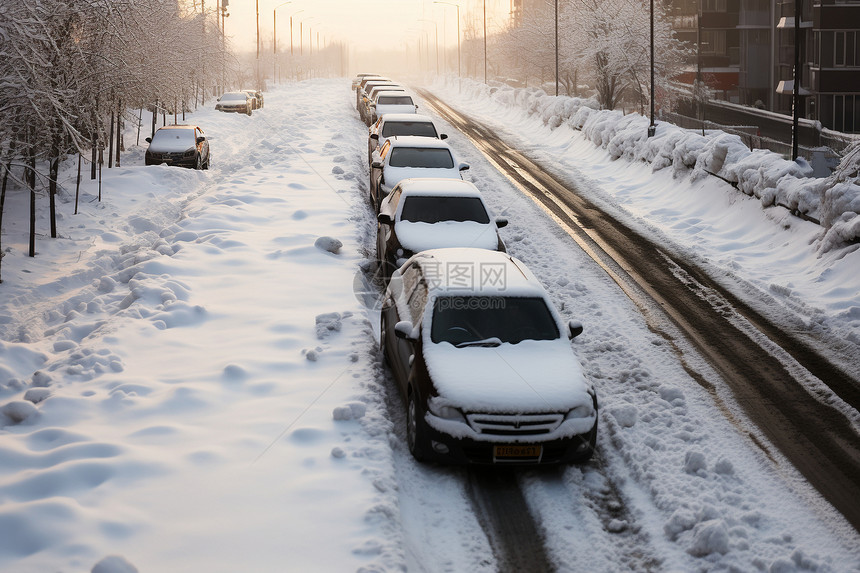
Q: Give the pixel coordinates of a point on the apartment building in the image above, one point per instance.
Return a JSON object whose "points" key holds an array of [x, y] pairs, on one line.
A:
{"points": [[745, 52]]}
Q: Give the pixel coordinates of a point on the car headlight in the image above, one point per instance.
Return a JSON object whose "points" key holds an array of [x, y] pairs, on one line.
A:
{"points": [[447, 413], [583, 411]]}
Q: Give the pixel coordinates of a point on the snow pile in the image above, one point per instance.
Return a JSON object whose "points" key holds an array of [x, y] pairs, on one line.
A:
{"points": [[757, 173]]}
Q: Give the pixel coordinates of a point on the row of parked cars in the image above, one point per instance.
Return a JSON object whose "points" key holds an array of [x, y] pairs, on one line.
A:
{"points": [[476, 346]]}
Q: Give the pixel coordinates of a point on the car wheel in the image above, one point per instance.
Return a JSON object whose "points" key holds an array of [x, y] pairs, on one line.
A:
{"points": [[199, 164], [206, 164], [248, 110], [416, 430], [383, 326]]}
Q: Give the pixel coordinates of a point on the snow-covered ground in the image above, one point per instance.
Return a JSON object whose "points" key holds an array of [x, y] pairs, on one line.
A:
{"points": [[189, 383]]}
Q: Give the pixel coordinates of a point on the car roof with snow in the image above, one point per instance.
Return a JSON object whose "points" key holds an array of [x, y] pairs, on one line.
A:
{"points": [[403, 117], [417, 141], [484, 273], [393, 92], [438, 187]]}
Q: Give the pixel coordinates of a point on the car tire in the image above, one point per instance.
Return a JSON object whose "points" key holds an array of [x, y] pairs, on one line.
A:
{"points": [[416, 430], [248, 111], [383, 325], [199, 163], [206, 164]]}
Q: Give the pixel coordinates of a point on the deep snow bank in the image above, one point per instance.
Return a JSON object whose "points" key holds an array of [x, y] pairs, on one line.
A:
{"points": [[834, 202]]}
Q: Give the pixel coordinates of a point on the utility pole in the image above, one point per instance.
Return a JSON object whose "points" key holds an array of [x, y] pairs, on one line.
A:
{"points": [[556, 48], [795, 95], [485, 41], [652, 129]]}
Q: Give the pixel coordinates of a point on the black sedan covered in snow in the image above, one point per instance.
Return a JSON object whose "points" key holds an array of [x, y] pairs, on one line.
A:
{"points": [[180, 145]]}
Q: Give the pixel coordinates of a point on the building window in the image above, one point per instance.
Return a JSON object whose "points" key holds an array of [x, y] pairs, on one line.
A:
{"points": [[846, 113], [845, 49], [714, 42]]}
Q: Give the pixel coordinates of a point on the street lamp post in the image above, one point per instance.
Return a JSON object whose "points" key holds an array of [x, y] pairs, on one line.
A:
{"points": [[437, 42], [275, 70], [556, 48], [652, 129], [457, 6], [257, 66], [485, 41], [291, 31]]}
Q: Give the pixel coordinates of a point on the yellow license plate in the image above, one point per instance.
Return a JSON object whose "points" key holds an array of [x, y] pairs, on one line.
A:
{"points": [[517, 452]]}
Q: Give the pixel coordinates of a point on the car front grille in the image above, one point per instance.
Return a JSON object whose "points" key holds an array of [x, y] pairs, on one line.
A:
{"points": [[514, 424]]}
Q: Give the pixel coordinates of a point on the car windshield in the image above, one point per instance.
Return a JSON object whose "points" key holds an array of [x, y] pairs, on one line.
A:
{"points": [[437, 209], [490, 321], [394, 100], [422, 128], [432, 157], [234, 97], [171, 137]]}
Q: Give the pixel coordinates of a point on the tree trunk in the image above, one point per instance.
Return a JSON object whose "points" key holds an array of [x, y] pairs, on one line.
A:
{"points": [[154, 118], [94, 158], [31, 182], [118, 130], [6, 169], [110, 142], [53, 173], [78, 185]]}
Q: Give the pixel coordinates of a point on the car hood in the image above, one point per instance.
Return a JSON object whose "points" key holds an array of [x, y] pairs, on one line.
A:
{"points": [[393, 175], [529, 377], [174, 146], [424, 236]]}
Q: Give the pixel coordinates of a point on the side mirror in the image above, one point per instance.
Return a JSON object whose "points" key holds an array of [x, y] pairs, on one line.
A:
{"points": [[501, 222], [374, 136], [376, 165], [201, 139], [464, 166], [385, 219], [148, 140], [443, 136], [404, 330], [574, 329]]}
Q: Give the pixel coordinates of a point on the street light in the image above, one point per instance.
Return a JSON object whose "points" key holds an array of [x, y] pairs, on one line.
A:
{"points": [[275, 39], [291, 31], [257, 66], [485, 40], [437, 42], [556, 48], [457, 6], [652, 129]]}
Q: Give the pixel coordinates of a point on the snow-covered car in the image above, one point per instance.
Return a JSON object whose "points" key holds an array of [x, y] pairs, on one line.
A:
{"points": [[409, 157], [359, 90], [372, 95], [364, 99], [484, 363], [390, 102], [256, 97], [179, 145], [239, 102], [358, 77], [400, 124], [424, 214]]}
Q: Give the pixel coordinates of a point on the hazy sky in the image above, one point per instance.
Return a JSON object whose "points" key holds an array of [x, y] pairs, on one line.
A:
{"points": [[375, 23]]}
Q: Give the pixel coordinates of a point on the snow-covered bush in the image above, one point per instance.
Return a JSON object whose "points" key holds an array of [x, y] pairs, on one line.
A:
{"points": [[774, 180]]}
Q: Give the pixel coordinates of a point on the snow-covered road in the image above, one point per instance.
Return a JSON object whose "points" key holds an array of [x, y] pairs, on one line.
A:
{"points": [[188, 382]]}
